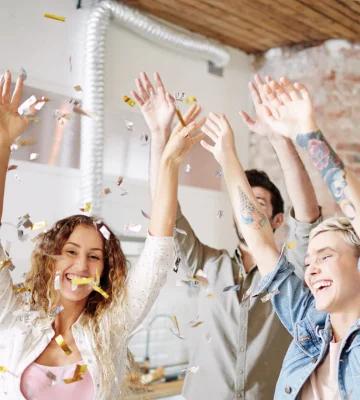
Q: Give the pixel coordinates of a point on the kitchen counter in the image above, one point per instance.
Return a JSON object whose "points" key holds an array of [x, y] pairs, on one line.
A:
{"points": [[159, 391]]}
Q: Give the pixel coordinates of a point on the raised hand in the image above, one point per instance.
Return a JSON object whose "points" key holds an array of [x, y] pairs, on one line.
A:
{"points": [[219, 131], [12, 125], [156, 104], [258, 124], [181, 141], [290, 109]]}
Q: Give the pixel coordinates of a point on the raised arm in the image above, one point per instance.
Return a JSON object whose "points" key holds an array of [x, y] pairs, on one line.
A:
{"points": [[252, 221], [298, 184], [158, 109], [292, 115]]}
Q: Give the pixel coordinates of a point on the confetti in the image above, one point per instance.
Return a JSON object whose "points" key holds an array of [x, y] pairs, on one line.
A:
{"points": [[129, 101], [82, 281], [20, 288], [78, 110], [25, 108], [208, 337], [100, 290], [176, 329], [129, 125], [231, 288], [39, 225], [187, 168], [54, 17], [78, 88], [79, 371], [291, 245], [119, 180], [192, 370], [51, 376], [177, 263], [190, 100], [106, 191], [270, 295], [105, 232], [180, 117], [220, 213], [195, 323], [144, 139], [33, 156], [61, 116], [219, 173], [145, 214], [7, 263], [3, 369], [134, 228], [64, 347], [87, 207], [57, 281], [179, 96], [12, 167], [201, 277], [25, 222]]}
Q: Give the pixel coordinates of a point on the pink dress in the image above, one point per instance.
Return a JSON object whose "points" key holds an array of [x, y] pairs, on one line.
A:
{"points": [[39, 382]]}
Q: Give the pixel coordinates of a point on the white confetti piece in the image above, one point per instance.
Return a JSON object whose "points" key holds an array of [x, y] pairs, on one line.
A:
{"points": [[105, 232], [135, 228], [188, 168], [129, 125]]}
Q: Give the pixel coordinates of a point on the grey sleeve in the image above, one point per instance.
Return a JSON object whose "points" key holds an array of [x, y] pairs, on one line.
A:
{"points": [[193, 253], [297, 241]]}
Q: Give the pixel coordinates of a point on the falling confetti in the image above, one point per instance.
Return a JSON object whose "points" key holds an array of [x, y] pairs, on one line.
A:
{"points": [[176, 329], [7, 263], [64, 347], [134, 228], [195, 323], [179, 96], [177, 264], [220, 214], [3, 369], [270, 295], [145, 214], [187, 168], [25, 222], [192, 370], [33, 156], [78, 88], [105, 232], [231, 288], [119, 180], [61, 116], [291, 245], [129, 125], [87, 207], [129, 101], [190, 100], [12, 167], [51, 376], [80, 370], [219, 173], [106, 191], [54, 17], [144, 139]]}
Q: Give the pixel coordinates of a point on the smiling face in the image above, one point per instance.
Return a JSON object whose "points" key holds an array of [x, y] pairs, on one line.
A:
{"points": [[332, 273], [82, 255]]}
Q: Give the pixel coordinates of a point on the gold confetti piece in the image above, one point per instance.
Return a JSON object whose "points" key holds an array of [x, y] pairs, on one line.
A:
{"points": [[129, 101], [79, 371], [176, 329], [190, 100], [195, 323], [38, 225], [291, 245], [78, 88], [20, 288], [119, 180], [231, 288], [7, 264], [99, 290], [82, 281], [87, 207], [105, 232], [12, 167], [188, 168], [270, 295], [180, 117], [64, 347], [97, 276], [106, 191], [3, 369], [54, 17]]}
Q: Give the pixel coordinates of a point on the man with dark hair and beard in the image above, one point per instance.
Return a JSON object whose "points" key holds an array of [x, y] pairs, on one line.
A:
{"points": [[248, 342]]}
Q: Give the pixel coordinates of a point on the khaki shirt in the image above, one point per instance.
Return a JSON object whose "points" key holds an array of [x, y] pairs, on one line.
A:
{"points": [[241, 344]]}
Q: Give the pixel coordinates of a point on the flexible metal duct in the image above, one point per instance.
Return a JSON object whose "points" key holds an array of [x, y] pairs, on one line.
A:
{"points": [[92, 135]]}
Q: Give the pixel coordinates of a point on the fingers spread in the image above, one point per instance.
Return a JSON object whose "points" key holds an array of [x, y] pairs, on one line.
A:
{"points": [[210, 133], [147, 84], [141, 89], [6, 88], [255, 95], [247, 119], [207, 146], [137, 98], [18, 92]]}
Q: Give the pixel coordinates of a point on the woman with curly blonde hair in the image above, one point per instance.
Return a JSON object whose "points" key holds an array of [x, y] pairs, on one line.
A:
{"points": [[67, 328]]}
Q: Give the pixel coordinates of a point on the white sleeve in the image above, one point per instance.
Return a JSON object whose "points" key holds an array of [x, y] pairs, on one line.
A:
{"points": [[147, 277]]}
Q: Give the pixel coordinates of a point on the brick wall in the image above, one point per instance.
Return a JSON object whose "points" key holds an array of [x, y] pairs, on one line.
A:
{"points": [[331, 72]]}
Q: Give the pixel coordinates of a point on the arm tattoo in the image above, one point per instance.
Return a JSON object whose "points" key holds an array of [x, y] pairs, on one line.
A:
{"points": [[249, 214], [330, 166]]}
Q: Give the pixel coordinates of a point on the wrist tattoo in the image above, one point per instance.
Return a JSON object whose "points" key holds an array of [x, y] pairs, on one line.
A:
{"points": [[330, 166], [249, 214]]}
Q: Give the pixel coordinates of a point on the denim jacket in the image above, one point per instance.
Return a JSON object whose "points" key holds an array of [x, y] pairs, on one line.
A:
{"points": [[311, 332]]}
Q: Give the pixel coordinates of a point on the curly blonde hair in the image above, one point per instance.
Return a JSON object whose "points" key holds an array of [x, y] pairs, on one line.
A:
{"points": [[40, 281]]}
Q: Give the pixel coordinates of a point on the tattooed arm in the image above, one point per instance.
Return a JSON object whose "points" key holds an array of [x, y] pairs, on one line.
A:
{"points": [[293, 116], [250, 218]]}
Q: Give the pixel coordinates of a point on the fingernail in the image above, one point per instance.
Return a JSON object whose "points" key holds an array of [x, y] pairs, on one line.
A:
{"points": [[22, 74]]}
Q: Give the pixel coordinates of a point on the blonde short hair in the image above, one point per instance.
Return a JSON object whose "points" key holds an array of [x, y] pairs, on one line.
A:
{"points": [[341, 225]]}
